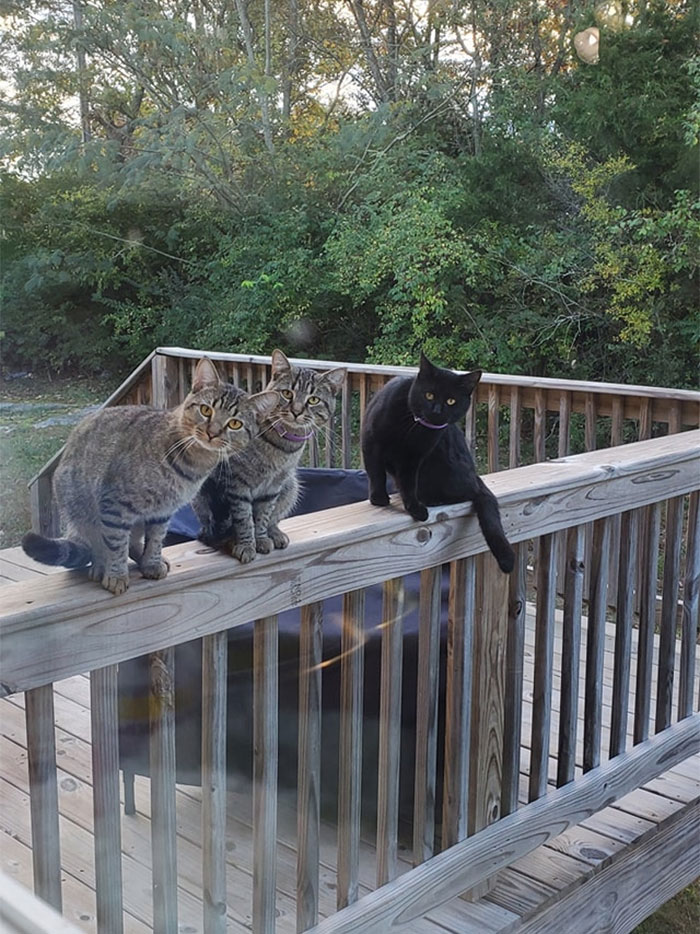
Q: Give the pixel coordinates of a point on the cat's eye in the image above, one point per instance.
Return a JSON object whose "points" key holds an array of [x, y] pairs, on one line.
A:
{"points": [[450, 401], [234, 424], [286, 394], [313, 400], [430, 396], [206, 410]]}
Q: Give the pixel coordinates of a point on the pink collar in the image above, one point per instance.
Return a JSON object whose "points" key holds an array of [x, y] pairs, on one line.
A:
{"points": [[425, 424], [289, 436]]}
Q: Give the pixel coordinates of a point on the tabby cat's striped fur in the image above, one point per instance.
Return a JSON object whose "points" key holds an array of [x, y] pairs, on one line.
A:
{"points": [[126, 469], [242, 501]]}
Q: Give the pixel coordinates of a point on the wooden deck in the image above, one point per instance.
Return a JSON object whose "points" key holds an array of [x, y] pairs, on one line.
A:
{"points": [[542, 892]]}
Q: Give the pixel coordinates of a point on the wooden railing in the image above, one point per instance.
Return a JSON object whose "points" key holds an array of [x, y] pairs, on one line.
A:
{"points": [[63, 627], [516, 419]]}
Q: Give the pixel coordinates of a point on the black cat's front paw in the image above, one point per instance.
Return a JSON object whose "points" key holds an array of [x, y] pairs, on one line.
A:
{"points": [[379, 499], [417, 511]]}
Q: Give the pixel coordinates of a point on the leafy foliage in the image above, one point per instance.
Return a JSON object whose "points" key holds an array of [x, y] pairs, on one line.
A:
{"points": [[353, 181]]}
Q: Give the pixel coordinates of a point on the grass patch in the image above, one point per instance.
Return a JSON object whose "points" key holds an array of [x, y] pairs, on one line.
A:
{"points": [[36, 417]]}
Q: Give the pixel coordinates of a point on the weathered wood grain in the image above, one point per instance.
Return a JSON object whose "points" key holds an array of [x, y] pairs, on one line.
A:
{"points": [[649, 551], [214, 687], [107, 819], [350, 753], [544, 649], [597, 607], [628, 537], [66, 626], [571, 653], [309, 765], [162, 765], [669, 611], [21, 913], [41, 758], [458, 691], [427, 687], [512, 714], [265, 741], [390, 731], [397, 905], [691, 602]]}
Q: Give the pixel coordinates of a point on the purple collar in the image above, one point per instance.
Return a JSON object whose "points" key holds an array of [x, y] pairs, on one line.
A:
{"points": [[289, 436], [425, 424]]}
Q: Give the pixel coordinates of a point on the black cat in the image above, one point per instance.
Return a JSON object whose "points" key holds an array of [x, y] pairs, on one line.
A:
{"points": [[410, 431]]}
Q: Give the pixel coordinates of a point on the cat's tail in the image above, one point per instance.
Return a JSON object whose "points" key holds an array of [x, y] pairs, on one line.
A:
{"points": [[489, 517], [57, 551]]}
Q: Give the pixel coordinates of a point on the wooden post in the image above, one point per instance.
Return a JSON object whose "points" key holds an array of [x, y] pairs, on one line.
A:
{"points": [[570, 653], [488, 702], [350, 756], [544, 657], [107, 817], [265, 741], [427, 688], [43, 796], [214, 666], [309, 765], [460, 630], [390, 732], [515, 648], [163, 818]]}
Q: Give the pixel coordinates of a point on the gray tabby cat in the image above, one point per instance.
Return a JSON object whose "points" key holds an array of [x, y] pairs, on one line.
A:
{"points": [[126, 469], [242, 501]]}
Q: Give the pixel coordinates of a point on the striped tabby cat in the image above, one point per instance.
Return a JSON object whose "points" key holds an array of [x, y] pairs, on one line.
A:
{"points": [[126, 469], [241, 503]]}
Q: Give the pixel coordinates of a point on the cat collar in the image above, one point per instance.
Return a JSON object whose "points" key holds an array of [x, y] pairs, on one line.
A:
{"points": [[422, 421], [290, 436]]}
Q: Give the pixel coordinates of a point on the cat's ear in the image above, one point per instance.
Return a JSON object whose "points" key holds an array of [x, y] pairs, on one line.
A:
{"points": [[335, 379], [205, 376], [264, 403], [280, 365], [425, 365], [470, 380]]}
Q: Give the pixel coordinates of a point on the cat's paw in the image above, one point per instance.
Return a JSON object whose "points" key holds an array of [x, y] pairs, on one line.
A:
{"points": [[379, 499], [96, 572], [279, 539], [116, 584], [417, 511], [264, 545], [155, 570], [245, 552]]}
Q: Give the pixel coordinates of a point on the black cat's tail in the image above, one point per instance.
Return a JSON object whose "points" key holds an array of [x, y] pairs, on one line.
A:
{"points": [[57, 551], [489, 517]]}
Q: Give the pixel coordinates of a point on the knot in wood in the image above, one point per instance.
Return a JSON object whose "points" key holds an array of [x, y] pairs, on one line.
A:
{"points": [[423, 535]]}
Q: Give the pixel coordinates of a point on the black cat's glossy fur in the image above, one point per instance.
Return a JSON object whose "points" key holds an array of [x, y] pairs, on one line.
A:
{"points": [[410, 431]]}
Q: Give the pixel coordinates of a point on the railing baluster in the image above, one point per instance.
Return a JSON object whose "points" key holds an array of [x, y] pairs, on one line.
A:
{"points": [[516, 414], [390, 731], [163, 817], [669, 612], [544, 659], [214, 687], [460, 634], [595, 646], [540, 426], [493, 429], [691, 586], [616, 437], [649, 551], [513, 702], [429, 613], [265, 740], [346, 422], [564, 445], [43, 797], [107, 817], [350, 757], [570, 654], [309, 764], [629, 528]]}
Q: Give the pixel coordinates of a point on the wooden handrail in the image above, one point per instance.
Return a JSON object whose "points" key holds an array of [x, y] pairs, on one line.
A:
{"points": [[67, 626]]}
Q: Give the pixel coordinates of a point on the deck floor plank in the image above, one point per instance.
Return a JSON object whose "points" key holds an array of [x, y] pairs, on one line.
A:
{"points": [[519, 893]]}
